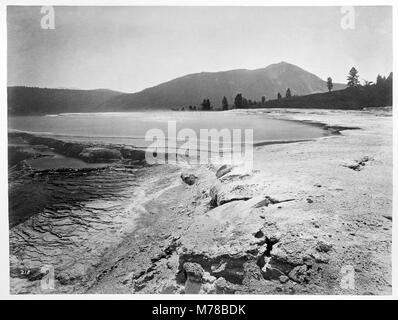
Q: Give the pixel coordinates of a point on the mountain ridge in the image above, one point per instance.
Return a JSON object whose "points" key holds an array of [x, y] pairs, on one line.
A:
{"points": [[182, 91], [253, 84]]}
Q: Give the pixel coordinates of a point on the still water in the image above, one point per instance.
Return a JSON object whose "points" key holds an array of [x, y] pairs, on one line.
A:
{"points": [[130, 128]]}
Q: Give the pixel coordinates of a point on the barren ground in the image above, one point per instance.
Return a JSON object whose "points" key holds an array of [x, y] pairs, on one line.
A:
{"points": [[311, 218]]}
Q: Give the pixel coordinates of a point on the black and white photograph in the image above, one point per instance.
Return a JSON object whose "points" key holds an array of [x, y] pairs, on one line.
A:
{"points": [[210, 150]]}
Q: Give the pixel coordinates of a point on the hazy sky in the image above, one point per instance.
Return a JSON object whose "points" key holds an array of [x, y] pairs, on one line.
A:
{"points": [[131, 48]]}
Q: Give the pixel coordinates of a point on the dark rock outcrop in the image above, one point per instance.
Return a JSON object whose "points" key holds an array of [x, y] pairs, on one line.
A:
{"points": [[189, 178], [87, 152]]}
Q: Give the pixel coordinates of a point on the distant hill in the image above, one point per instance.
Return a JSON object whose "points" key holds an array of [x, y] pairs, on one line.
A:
{"points": [[29, 101], [375, 95], [192, 89], [181, 92]]}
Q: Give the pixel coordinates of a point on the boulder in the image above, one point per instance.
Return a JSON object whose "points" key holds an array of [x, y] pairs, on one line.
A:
{"points": [[189, 178], [323, 246], [223, 170], [224, 193], [193, 271]]}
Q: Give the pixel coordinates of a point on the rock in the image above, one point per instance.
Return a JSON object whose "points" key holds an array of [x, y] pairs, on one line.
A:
{"points": [[322, 246], [208, 288], [138, 285], [99, 154], [355, 166], [364, 159], [213, 193], [259, 234], [270, 270], [283, 279], [299, 274], [321, 258], [223, 170], [207, 277], [224, 287], [224, 193], [189, 178], [309, 200], [358, 165], [291, 251], [193, 271], [316, 224], [274, 238], [270, 273]]}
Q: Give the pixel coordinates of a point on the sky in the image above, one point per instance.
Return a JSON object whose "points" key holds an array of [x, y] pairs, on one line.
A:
{"points": [[131, 48]]}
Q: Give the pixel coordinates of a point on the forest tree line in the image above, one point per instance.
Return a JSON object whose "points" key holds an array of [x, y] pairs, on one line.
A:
{"points": [[356, 95]]}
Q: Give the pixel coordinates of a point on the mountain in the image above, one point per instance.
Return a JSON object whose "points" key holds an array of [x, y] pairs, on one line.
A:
{"points": [[192, 89], [32, 101], [180, 92]]}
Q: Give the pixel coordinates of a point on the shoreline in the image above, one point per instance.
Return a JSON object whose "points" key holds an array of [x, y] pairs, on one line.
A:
{"points": [[250, 230], [60, 142]]}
